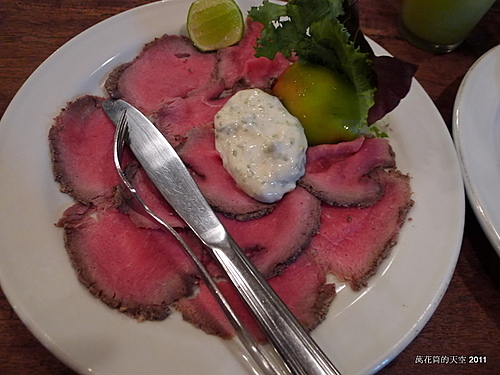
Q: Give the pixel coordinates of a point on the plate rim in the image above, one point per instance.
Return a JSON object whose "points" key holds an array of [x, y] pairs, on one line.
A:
{"points": [[45, 339], [473, 190]]}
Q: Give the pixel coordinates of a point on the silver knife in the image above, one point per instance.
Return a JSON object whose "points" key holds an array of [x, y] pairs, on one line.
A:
{"points": [[167, 171]]}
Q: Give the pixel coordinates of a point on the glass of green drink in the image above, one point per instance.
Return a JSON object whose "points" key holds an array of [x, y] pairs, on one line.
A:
{"points": [[440, 25]]}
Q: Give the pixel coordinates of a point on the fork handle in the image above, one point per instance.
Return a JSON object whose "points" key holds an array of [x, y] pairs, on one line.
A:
{"points": [[285, 333]]}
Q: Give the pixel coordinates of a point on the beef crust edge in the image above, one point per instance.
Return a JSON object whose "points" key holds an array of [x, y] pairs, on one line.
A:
{"points": [[111, 84], [61, 175], [358, 284], [141, 312]]}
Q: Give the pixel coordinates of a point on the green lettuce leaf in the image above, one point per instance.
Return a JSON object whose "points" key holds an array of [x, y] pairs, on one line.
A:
{"points": [[312, 30]]}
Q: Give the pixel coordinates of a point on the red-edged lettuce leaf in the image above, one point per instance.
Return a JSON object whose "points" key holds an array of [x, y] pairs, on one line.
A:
{"points": [[392, 76], [393, 83]]}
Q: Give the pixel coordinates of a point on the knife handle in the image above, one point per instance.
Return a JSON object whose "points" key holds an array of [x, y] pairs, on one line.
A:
{"points": [[284, 332]]}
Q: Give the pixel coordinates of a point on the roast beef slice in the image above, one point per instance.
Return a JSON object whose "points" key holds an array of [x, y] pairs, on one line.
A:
{"points": [[352, 241], [220, 190], [302, 287], [138, 271], [166, 68], [275, 240], [81, 141], [239, 68], [177, 116], [340, 174]]}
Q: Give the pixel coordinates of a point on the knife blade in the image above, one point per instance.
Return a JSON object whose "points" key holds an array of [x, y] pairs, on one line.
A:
{"points": [[169, 174]]}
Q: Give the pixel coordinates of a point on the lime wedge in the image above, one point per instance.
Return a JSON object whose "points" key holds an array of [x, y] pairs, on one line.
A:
{"points": [[214, 24]]}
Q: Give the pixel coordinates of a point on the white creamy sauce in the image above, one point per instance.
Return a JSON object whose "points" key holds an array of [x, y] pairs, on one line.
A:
{"points": [[262, 146]]}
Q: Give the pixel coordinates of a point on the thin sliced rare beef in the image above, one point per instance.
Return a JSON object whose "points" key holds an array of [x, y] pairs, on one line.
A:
{"points": [[168, 67], [352, 241], [178, 115], [341, 174], [239, 68], [275, 240], [131, 264], [302, 287], [199, 153], [81, 141], [135, 270]]}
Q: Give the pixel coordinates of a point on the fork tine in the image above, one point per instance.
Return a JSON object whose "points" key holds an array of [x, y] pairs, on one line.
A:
{"points": [[122, 131]]}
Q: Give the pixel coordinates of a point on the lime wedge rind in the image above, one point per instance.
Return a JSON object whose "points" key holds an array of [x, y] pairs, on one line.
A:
{"points": [[214, 24]]}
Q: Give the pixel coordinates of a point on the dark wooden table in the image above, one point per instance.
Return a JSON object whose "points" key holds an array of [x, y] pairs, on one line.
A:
{"points": [[467, 321]]}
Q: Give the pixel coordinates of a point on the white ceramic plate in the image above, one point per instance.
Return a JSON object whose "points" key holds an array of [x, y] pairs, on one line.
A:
{"points": [[477, 137], [362, 332]]}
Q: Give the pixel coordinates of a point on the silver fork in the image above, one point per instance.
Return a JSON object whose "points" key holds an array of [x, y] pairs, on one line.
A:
{"points": [[265, 360]]}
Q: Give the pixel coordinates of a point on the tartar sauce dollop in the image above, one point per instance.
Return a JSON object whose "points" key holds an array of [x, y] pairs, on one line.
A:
{"points": [[262, 146]]}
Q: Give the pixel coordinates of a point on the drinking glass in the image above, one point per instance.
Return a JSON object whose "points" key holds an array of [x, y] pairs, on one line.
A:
{"points": [[440, 25]]}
